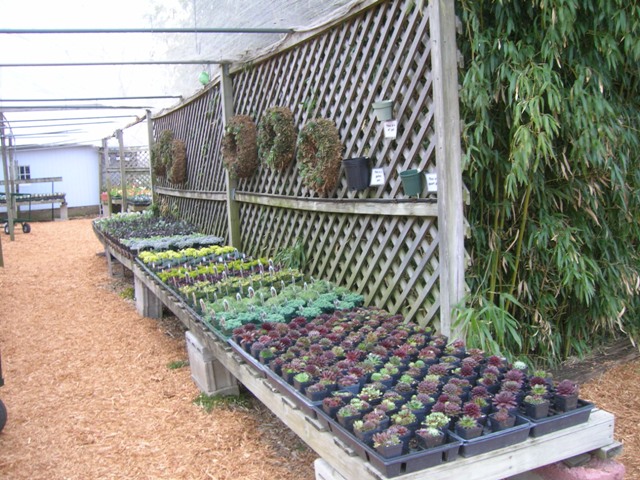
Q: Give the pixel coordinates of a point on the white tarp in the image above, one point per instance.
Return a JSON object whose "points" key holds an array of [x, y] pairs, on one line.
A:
{"points": [[112, 81]]}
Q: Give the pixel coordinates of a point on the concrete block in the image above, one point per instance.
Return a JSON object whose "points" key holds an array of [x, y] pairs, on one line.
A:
{"points": [[211, 377]]}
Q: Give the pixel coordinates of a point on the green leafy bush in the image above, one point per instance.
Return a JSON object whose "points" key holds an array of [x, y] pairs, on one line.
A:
{"points": [[551, 115]]}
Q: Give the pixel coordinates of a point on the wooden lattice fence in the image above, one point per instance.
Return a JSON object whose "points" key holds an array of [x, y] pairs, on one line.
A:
{"points": [[377, 241]]}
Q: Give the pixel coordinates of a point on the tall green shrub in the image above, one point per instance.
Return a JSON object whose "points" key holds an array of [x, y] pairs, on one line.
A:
{"points": [[550, 102]]}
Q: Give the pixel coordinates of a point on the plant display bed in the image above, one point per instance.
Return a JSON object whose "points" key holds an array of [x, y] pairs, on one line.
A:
{"points": [[559, 420], [491, 441], [492, 456]]}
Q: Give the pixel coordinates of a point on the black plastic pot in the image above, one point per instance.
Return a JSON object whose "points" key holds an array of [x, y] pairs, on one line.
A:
{"points": [[358, 172]]}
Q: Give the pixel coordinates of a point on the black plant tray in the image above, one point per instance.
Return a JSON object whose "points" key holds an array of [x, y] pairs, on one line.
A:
{"points": [[559, 420], [495, 440], [413, 461], [302, 402], [246, 356]]}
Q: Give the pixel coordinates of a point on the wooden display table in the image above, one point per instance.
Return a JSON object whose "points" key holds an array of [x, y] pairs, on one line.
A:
{"points": [[338, 460]]}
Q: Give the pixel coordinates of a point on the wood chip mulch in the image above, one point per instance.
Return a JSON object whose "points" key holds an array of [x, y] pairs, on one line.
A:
{"points": [[90, 394], [87, 383]]}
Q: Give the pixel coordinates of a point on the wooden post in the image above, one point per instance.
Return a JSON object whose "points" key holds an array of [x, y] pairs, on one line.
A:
{"points": [[7, 181], [105, 159], [123, 171], [233, 209], [448, 158], [151, 142]]}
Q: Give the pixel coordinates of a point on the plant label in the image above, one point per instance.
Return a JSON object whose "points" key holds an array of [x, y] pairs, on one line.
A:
{"points": [[390, 129], [377, 177], [432, 182]]}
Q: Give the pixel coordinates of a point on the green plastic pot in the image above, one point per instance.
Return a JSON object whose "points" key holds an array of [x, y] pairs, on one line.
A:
{"points": [[412, 182]]}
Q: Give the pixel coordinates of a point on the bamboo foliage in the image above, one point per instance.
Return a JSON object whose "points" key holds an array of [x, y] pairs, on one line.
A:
{"points": [[552, 115]]}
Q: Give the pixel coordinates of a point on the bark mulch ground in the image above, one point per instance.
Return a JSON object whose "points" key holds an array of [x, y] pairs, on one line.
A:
{"points": [[91, 394]]}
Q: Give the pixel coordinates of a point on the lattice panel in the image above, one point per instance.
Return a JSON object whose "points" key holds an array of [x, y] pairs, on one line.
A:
{"points": [[199, 125], [339, 75], [381, 53], [136, 163], [392, 261], [209, 215]]}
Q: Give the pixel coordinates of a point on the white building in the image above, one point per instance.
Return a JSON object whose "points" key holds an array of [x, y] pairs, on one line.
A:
{"points": [[78, 168]]}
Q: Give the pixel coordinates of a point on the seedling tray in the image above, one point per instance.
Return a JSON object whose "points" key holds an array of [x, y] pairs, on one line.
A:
{"points": [[247, 357], [413, 461], [559, 420], [495, 440], [302, 402]]}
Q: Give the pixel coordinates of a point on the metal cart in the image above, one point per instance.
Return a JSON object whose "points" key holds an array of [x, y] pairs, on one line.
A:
{"points": [[26, 227], [3, 409]]}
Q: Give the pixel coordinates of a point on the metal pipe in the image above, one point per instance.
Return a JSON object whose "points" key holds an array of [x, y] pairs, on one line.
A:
{"points": [[110, 64], [89, 99], [39, 108], [54, 31], [71, 118]]}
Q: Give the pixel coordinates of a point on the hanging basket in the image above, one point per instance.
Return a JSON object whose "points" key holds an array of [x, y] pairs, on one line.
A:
{"points": [[178, 169], [161, 153], [319, 155], [277, 138], [239, 149]]}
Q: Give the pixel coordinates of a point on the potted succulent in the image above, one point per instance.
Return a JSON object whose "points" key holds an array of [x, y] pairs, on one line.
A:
{"points": [[316, 391], [566, 396], [468, 427], [331, 404], [372, 422], [536, 404], [388, 443], [405, 417], [501, 420], [302, 380], [433, 433], [370, 394], [505, 401], [348, 414]]}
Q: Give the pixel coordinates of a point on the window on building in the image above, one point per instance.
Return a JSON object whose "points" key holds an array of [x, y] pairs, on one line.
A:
{"points": [[24, 172]]}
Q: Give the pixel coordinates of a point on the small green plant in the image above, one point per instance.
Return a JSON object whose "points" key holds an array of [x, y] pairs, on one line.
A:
{"points": [[229, 402], [467, 422], [177, 364], [128, 293]]}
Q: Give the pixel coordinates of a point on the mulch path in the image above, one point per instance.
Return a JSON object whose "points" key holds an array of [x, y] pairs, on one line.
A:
{"points": [[90, 393], [88, 388]]}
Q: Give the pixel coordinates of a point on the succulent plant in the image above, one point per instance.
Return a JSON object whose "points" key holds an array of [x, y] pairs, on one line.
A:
{"points": [[566, 388], [504, 401]]}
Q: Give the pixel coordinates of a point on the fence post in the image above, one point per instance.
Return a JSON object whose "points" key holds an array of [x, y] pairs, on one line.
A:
{"points": [[448, 159], [123, 171], [154, 195], [233, 208]]}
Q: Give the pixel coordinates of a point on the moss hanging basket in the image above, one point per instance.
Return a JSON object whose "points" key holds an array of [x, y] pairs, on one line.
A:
{"points": [[161, 153], [320, 155], [178, 169], [277, 138], [239, 149]]}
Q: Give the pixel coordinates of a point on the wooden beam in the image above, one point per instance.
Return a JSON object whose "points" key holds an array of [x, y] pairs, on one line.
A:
{"points": [[123, 171], [448, 159], [35, 180], [392, 207], [233, 209], [194, 194]]}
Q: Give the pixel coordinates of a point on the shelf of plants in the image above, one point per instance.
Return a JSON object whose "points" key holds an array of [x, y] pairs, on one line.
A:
{"points": [[402, 397]]}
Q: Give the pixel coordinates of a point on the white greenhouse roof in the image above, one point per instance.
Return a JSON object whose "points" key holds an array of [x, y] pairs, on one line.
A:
{"points": [[38, 86]]}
